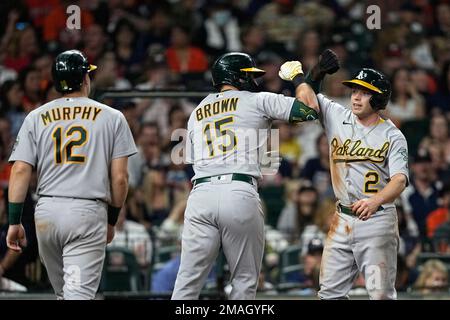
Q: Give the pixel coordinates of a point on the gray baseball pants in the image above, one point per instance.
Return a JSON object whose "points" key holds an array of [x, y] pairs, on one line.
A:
{"points": [[71, 236], [355, 246], [221, 213]]}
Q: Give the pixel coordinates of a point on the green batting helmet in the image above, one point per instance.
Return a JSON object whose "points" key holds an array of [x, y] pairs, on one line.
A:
{"points": [[69, 69], [236, 69], [375, 82]]}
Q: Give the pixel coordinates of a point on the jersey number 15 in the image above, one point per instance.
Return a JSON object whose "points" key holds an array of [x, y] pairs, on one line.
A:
{"points": [[220, 132], [64, 153]]}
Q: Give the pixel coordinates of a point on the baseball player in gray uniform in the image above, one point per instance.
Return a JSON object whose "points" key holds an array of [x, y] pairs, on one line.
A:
{"points": [[224, 208], [80, 149], [369, 170]]}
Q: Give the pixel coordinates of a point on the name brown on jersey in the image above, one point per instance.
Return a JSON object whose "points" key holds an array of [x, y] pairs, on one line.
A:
{"points": [[348, 152], [218, 107], [70, 113]]}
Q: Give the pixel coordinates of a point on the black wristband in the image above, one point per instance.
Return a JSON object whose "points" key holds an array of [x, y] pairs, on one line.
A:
{"points": [[113, 215], [314, 84], [15, 212], [298, 80]]}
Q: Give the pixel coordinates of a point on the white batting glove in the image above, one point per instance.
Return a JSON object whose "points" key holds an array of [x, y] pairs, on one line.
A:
{"points": [[270, 163], [290, 69]]}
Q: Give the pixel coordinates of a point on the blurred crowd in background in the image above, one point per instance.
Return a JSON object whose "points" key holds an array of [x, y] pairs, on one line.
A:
{"points": [[170, 45]]}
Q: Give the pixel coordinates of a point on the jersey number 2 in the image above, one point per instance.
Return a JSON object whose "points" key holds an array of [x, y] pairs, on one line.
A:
{"points": [[371, 180], [64, 154], [220, 132]]}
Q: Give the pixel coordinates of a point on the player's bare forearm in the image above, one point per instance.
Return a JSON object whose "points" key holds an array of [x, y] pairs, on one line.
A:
{"points": [[19, 181], [306, 94], [364, 208], [119, 181], [392, 190]]}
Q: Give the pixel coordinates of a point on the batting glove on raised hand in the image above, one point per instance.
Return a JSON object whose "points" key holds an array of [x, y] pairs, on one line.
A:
{"points": [[290, 69]]}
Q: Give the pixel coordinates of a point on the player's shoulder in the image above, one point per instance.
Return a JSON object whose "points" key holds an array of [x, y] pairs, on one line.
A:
{"points": [[106, 110], [392, 130], [327, 102], [95, 103]]}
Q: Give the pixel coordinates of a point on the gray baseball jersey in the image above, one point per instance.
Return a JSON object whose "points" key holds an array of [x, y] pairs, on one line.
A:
{"points": [[71, 142], [223, 129], [363, 159], [223, 138]]}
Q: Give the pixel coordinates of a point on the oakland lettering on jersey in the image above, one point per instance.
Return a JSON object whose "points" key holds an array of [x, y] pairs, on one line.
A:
{"points": [[217, 107], [348, 152], [70, 113]]}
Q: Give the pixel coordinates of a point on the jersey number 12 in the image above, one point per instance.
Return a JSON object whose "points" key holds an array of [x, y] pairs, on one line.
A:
{"points": [[64, 153]]}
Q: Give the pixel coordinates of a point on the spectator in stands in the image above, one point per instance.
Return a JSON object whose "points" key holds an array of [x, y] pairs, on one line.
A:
{"points": [[188, 12], [220, 32], [441, 215], [21, 46], [156, 195], [442, 28], [172, 227], [107, 75], [296, 216], [128, 57], [253, 40], [308, 48], [321, 224], [270, 62], [281, 22], [290, 149], [11, 95], [30, 80], [420, 197], [94, 42], [437, 143], [440, 100], [43, 64], [148, 156], [406, 103], [317, 169], [133, 236], [433, 278], [55, 33], [308, 276], [182, 56], [405, 275]]}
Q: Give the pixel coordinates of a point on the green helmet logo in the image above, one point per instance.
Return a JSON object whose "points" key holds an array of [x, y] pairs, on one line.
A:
{"points": [[236, 69], [69, 69]]}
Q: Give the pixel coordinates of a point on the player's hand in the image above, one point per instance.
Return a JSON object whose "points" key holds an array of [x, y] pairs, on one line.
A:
{"points": [[270, 163], [328, 64], [290, 69], [110, 233], [16, 239], [365, 208]]}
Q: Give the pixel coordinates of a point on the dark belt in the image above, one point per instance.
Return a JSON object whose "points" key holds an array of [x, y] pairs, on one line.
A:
{"points": [[234, 177], [348, 210], [90, 199]]}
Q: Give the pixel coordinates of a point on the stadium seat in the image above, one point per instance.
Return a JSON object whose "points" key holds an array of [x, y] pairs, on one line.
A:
{"points": [[289, 262], [121, 271]]}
